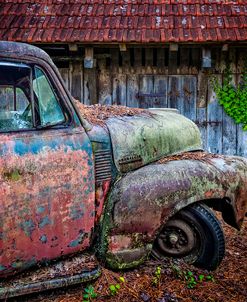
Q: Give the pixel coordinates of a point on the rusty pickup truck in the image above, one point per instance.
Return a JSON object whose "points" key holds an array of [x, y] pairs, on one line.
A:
{"points": [[74, 192]]}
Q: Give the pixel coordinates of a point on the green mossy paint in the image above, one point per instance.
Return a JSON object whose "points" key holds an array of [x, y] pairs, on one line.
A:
{"points": [[114, 262], [13, 175], [150, 138]]}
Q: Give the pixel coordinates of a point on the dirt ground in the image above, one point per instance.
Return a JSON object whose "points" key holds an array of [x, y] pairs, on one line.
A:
{"points": [[168, 282]]}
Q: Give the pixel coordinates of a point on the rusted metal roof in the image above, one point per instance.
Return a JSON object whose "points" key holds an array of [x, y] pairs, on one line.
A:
{"points": [[119, 21]]}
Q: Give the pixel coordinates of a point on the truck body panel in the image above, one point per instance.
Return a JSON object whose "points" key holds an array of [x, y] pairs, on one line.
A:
{"points": [[140, 140], [144, 200], [47, 196]]}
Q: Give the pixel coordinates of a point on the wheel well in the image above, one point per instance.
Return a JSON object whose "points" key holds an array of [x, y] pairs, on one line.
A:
{"points": [[226, 208]]}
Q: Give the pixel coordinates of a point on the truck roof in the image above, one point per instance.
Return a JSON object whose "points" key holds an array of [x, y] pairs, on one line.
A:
{"points": [[22, 50]]}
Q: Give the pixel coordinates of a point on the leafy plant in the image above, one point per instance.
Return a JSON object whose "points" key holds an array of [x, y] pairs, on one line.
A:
{"points": [[157, 275], [233, 98], [114, 288], [89, 294], [192, 279]]}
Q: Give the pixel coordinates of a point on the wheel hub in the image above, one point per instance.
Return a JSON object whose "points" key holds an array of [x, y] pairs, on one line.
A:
{"points": [[173, 238], [177, 239]]}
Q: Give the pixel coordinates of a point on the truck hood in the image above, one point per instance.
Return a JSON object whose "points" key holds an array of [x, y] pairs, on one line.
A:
{"points": [[139, 140]]}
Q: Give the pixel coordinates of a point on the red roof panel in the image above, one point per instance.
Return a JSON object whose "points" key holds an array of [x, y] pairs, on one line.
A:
{"points": [[123, 20]]}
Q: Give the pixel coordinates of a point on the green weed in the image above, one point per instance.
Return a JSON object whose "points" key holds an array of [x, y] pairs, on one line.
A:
{"points": [[89, 294]]}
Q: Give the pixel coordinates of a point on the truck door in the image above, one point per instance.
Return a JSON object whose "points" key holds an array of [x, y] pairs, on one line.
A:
{"points": [[46, 171]]}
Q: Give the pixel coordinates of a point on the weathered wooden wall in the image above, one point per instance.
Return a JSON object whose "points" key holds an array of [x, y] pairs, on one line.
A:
{"points": [[157, 77]]}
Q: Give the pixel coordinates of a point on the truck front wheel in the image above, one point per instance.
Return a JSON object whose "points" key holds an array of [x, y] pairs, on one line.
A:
{"points": [[195, 235]]}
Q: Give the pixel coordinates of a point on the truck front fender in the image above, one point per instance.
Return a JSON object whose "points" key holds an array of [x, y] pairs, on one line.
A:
{"points": [[143, 200]]}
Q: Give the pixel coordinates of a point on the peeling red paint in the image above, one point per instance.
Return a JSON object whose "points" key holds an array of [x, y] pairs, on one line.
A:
{"points": [[119, 242], [100, 196], [47, 204]]}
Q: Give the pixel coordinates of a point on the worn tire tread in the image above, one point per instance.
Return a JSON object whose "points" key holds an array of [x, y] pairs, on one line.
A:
{"points": [[210, 216]]}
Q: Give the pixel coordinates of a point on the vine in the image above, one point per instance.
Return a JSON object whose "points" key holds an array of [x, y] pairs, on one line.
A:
{"points": [[233, 98]]}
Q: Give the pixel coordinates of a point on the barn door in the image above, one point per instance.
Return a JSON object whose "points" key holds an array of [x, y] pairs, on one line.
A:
{"points": [[153, 91], [158, 91], [182, 95]]}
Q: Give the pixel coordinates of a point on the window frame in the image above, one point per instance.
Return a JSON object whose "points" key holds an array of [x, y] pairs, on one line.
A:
{"points": [[21, 65], [59, 99], [35, 113]]}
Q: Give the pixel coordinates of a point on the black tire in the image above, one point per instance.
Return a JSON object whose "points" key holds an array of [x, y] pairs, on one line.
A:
{"points": [[195, 235]]}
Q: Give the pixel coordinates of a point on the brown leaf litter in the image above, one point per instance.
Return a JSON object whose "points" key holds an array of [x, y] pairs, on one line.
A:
{"points": [[197, 155], [98, 114]]}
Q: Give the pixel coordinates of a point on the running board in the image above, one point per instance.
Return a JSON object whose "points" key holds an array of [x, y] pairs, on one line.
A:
{"points": [[82, 268]]}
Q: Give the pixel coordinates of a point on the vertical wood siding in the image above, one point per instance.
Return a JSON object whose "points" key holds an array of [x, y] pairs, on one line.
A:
{"points": [[146, 78]]}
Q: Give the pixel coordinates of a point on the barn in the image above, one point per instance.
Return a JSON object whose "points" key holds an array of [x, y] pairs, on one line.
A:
{"points": [[142, 53]]}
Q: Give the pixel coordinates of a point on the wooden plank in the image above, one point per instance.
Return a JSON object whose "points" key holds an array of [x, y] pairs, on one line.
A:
{"points": [[217, 52], [201, 121], [223, 60], [126, 58], [65, 75], [160, 57], [90, 86], [104, 83], [173, 62], [76, 76], [229, 133], [184, 60], [241, 141], [146, 87], [233, 60], [195, 60], [174, 93], [126, 66], [206, 60], [138, 57], [132, 90], [241, 57], [229, 128], [138, 60], [214, 119], [149, 60], [160, 87], [114, 52], [89, 58], [149, 57], [119, 89], [202, 89], [189, 91]]}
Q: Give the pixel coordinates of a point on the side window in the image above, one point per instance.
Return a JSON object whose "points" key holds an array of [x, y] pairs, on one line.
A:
{"points": [[50, 111], [15, 101]]}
